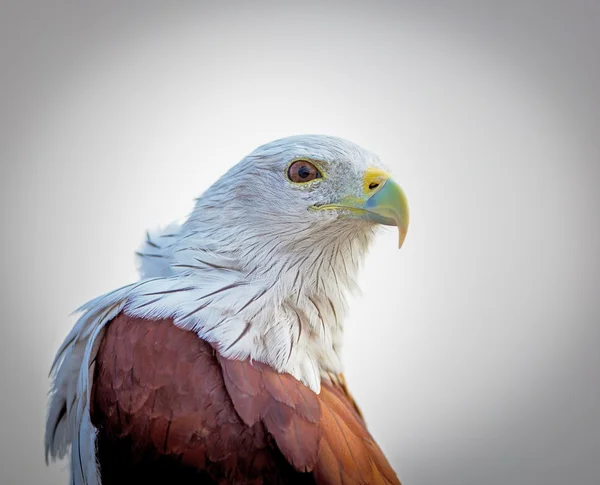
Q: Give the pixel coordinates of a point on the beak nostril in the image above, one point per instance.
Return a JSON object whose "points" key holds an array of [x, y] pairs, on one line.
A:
{"points": [[373, 185]]}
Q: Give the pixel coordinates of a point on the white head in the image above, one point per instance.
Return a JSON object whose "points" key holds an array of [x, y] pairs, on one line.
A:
{"points": [[271, 249], [265, 199]]}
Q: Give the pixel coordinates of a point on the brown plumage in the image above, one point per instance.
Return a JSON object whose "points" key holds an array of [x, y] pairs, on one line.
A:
{"points": [[170, 410]]}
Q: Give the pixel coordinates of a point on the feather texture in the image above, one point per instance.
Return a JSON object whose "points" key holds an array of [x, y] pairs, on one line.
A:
{"points": [[164, 398], [155, 253]]}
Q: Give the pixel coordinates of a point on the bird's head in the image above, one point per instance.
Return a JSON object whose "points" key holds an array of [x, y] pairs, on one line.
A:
{"points": [[306, 188]]}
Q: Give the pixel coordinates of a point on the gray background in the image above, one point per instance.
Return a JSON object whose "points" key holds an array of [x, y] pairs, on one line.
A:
{"points": [[473, 351]]}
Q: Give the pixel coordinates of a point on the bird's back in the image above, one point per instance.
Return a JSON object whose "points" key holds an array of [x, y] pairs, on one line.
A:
{"points": [[169, 409]]}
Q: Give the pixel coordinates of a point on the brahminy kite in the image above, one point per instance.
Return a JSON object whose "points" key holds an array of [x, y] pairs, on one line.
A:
{"points": [[222, 363]]}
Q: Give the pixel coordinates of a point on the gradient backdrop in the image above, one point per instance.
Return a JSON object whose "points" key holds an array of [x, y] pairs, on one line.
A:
{"points": [[474, 350]]}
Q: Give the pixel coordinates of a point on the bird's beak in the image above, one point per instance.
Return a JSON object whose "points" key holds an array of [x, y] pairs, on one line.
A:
{"points": [[382, 201]]}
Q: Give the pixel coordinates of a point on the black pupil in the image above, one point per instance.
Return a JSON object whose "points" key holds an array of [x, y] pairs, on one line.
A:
{"points": [[303, 171]]}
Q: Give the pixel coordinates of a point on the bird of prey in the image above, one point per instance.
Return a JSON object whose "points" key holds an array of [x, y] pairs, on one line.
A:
{"points": [[222, 363]]}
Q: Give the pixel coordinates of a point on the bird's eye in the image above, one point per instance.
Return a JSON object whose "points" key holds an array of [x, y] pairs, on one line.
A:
{"points": [[303, 171]]}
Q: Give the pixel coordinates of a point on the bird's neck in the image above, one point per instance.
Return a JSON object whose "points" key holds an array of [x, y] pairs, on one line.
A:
{"points": [[277, 300]]}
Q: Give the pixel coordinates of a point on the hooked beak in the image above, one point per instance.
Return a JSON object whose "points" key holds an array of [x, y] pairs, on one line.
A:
{"points": [[383, 201]]}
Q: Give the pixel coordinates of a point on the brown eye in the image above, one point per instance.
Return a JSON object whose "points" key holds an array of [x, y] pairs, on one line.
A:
{"points": [[303, 171]]}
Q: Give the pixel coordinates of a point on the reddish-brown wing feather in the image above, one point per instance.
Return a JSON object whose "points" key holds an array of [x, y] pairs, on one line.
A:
{"points": [[290, 411], [347, 453], [164, 415], [169, 409]]}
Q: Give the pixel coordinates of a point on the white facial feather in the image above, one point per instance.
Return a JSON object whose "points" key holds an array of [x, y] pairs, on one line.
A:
{"points": [[254, 271]]}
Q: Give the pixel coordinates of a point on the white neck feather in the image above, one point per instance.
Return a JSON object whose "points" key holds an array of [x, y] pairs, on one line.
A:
{"points": [[264, 294], [254, 273]]}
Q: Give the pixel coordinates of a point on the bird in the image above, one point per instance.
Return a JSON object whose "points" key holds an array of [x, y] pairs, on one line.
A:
{"points": [[222, 363]]}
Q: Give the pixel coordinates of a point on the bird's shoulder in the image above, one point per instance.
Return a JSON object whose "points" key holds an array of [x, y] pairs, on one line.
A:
{"points": [[164, 399]]}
